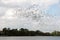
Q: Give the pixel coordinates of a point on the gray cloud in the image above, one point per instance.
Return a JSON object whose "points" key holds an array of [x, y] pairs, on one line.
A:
{"points": [[28, 15]]}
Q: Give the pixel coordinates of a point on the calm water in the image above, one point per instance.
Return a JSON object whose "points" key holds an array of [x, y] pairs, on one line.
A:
{"points": [[30, 38]]}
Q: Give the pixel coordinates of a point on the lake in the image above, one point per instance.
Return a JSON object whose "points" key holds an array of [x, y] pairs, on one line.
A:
{"points": [[31, 38]]}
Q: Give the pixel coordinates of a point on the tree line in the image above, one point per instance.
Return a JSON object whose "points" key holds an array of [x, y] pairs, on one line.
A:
{"points": [[26, 32]]}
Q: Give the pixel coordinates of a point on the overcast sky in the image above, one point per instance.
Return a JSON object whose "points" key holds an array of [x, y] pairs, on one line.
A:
{"points": [[41, 15]]}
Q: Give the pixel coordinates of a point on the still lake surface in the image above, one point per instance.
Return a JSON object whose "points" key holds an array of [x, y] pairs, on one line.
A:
{"points": [[31, 38]]}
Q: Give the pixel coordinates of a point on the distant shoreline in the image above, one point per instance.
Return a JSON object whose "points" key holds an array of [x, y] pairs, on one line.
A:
{"points": [[26, 32]]}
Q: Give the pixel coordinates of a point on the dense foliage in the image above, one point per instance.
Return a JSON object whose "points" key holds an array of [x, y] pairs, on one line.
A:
{"points": [[26, 32]]}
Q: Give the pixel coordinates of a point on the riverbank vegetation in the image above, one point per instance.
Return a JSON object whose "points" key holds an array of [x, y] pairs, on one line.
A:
{"points": [[26, 32]]}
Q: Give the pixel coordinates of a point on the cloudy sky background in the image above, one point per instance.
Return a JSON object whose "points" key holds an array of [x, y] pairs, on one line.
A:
{"points": [[41, 15]]}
